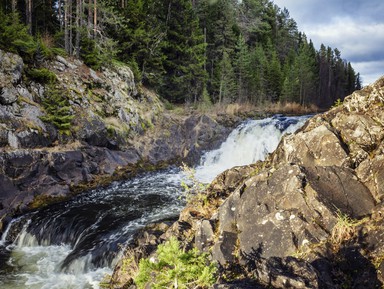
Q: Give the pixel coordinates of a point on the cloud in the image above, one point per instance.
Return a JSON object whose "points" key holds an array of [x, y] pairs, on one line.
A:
{"points": [[370, 70], [356, 28], [356, 42]]}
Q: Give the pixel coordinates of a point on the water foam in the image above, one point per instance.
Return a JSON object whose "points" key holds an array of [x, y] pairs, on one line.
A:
{"points": [[248, 143]]}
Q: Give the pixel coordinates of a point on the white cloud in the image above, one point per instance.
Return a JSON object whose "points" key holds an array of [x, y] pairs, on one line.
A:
{"points": [[356, 42], [370, 70], [356, 28]]}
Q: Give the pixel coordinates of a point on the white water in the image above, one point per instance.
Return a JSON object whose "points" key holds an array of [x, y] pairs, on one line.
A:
{"points": [[100, 220], [248, 143]]}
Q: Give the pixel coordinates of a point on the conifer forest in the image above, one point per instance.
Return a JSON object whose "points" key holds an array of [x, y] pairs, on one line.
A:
{"points": [[216, 51]]}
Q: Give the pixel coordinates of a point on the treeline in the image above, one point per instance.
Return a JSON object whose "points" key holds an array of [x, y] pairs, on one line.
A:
{"points": [[219, 51]]}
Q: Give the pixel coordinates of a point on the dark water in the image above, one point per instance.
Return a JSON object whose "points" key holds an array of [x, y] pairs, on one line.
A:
{"points": [[81, 238]]}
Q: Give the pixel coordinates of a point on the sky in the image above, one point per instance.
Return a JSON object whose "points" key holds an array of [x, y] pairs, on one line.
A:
{"points": [[355, 27]]}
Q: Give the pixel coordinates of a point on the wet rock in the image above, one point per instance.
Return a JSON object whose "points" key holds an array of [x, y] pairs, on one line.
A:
{"points": [[7, 190]]}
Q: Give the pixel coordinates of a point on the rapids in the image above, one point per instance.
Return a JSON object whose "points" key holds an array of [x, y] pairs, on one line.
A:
{"points": [[75, 243]]}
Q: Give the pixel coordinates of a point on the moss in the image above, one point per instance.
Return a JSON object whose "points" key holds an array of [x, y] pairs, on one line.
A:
{"points": [[26, 100], [41, 201]]}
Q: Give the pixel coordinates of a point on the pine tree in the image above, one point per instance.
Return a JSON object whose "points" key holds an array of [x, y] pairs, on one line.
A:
{"points": [[242, 69], [258, 75], [57, 108], [306, 69], [185, 51], [218, 20], [227, 85]]}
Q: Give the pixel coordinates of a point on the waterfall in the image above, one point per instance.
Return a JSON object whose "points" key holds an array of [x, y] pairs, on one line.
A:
{"points": [[76, 243], [248, 143]]}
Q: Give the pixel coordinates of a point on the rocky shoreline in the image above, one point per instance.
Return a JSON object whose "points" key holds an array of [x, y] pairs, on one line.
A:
{"points": [[310, 216]]}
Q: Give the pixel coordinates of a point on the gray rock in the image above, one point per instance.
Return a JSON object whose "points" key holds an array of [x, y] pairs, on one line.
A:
{"points": [[204, 236], [223, 250], [13, 141], [286, 272], [8, 95], [33, 114], [62, 60], [340, 188], [11, 67]]}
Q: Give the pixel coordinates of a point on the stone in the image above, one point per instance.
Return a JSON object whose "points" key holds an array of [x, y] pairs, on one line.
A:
{"points": [[8, 95], [13, 141], [319, 146], [7, 190], [11, 67], [204, 235], [223, 250], [339, 188], [32, 139], [287, 272]]}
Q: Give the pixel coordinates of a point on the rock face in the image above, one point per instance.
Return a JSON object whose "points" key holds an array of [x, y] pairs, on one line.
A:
{"points": [[310, 216]]}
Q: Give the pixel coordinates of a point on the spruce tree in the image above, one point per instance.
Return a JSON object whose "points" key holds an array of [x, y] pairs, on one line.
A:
{"points": [[184, 53], [242, 69]]}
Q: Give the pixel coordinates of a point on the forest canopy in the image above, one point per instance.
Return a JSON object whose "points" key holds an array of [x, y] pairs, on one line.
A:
{"points": [[223, 51]]}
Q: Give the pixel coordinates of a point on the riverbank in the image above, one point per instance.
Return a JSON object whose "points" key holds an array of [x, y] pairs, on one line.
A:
{"points": [[79, 129], [310, 216]]}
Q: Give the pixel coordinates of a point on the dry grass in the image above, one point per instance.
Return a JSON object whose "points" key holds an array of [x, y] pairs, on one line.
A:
{"points": [[246, 108], [290, 108], [48, 40], [344, 230]]}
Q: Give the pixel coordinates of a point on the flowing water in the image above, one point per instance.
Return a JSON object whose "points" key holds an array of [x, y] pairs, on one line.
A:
{"points": [[75, 243]]}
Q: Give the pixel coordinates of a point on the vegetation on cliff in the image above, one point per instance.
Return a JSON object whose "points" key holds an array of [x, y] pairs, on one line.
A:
{"points": [[226, 51]]}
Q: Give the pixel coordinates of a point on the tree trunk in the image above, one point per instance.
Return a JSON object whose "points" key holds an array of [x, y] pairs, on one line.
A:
{"points": [[13, 6], [66, 28], [94, 18], [89, 18], [59, 7], [70, 18], [77, 44], [28, 14]]}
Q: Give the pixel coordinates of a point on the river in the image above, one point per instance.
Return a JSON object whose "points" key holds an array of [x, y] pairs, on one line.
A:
{"points": [[75, 243]]}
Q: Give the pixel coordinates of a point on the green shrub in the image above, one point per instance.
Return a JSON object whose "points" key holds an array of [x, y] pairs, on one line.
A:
{"points": [[175, 268], [57, 108], [14, 36], [337, 103], [42, 75]]}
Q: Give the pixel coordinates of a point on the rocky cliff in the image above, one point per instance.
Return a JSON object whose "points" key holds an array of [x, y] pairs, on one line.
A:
{"points": [[112, 128], [310, 216]]}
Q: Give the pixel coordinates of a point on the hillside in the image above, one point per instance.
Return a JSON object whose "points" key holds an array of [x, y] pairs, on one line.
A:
{"points": [[206, 51]]}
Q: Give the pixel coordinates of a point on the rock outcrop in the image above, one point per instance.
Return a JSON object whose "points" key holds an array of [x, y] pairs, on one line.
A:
{"points": [[310, 216]]}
